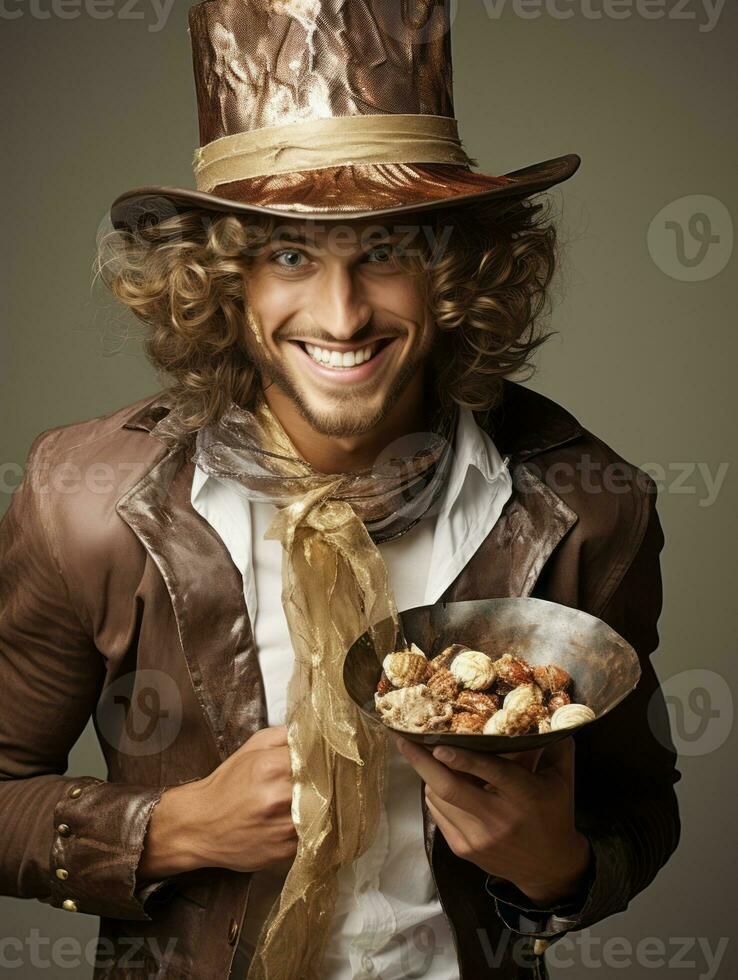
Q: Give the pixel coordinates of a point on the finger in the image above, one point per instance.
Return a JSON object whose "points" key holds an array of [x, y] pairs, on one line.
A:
{"points": [[448, 785], [447, 828], [281, 793], [463, 820], [279, 757], [266, 738], [458, 836], [529, 759], [501, 775]]}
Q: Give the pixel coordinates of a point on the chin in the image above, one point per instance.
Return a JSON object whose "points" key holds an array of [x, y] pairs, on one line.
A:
{"points": [[340, 421]]}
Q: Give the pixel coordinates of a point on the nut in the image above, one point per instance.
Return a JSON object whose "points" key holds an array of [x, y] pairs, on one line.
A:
{"points": [[571, 715], [473, 669], [522, 697], [544, 726], [467, 723], [413, 709], [406, 668], [384, 686], [557, 699], [442, 684], [551, 678], [511, 672], [497, 724], [478, 703], [527, 720], [445, 657], [512, 722]]}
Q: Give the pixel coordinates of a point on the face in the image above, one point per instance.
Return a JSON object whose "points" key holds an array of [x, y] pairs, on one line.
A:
{"points": [[336, 323]]}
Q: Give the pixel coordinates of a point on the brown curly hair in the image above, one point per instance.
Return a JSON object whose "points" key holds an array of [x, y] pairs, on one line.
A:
{"points": [[486, 284]]}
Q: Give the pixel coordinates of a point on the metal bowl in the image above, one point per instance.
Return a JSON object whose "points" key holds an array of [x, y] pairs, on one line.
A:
{"points": [[604, 668]]}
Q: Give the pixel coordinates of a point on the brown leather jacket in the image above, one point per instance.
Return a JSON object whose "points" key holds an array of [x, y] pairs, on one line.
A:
{"points": [[116, 595]]}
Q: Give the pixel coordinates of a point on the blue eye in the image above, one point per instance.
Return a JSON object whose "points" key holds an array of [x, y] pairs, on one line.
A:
{"points": [[291, 252], [385, 252], [290, 258]]}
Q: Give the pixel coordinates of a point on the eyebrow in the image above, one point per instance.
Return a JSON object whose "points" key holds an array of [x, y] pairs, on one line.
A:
{"points": [[297, 238]]}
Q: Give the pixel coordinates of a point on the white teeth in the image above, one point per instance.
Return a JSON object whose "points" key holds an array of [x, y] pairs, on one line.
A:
{"points": [[339, 359]]}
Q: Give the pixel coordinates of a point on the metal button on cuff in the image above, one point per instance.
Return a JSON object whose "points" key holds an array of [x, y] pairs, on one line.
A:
{"points": [[62, 874], [63, 830], [69, 904], [75, 792]]}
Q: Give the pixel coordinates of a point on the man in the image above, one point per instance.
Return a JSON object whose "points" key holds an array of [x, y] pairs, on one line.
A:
{"points": [[200, 598]]}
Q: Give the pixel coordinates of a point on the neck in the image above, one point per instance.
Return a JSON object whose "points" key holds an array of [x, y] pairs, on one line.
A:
{"points": [[347, 454]]}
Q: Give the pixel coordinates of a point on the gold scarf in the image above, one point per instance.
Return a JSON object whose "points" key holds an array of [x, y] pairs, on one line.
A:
{"points": [[334, 588]]}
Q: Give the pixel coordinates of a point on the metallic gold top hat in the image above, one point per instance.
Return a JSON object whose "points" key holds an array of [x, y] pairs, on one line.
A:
{"points": [[328, 109]]}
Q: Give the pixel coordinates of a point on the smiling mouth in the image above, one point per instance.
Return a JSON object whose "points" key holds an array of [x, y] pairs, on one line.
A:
{"points": [[343, 360]]}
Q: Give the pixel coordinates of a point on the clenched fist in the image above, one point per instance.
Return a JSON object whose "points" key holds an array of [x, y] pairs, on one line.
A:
{"points": [[238, 817]]}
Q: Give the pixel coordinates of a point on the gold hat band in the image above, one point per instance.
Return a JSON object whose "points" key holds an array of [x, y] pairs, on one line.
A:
{"points": [[320, 143]]}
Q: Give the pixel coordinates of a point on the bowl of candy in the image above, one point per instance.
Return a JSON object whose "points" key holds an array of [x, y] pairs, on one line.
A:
{"points": [[496, 675]]}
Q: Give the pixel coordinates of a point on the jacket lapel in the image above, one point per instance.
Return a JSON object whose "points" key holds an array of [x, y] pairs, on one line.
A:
{"points": [[206, 592], [510, 559]]}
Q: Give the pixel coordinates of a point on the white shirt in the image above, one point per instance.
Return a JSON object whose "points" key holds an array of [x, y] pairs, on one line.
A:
{"points": [[388, 922]]}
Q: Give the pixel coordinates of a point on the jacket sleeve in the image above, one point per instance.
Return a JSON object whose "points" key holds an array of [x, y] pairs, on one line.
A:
{"points": [[626, 804], [73, 843]]}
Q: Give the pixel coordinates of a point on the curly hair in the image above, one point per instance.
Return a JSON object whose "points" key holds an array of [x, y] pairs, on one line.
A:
{"points": [[485, 280]]}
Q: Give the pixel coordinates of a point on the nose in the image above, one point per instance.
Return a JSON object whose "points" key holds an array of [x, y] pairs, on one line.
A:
{"points": [[340, 306]]}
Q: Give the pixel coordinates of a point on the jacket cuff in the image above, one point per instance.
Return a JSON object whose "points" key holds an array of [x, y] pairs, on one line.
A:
{"points": [[601, 894], [98, 838]]}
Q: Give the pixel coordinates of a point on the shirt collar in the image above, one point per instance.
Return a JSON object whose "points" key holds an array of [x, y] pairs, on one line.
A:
{"points": [[473, 447], [199, 479]]}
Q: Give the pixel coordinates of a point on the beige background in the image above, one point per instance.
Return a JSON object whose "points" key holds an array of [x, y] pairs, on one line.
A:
{"points": [[92, 107]]}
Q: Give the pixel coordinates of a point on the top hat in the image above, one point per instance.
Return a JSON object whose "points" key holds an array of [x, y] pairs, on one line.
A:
{"points": [[328, 109]]}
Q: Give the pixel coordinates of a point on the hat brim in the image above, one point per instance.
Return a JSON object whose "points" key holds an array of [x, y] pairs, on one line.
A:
{"points": [[348, 192]]}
